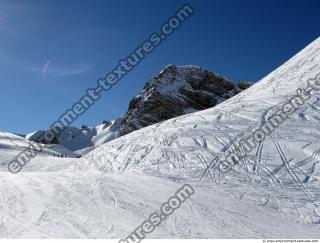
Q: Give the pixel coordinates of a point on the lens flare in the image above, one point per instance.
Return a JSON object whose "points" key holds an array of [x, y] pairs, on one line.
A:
{"points": [[45, 69]]}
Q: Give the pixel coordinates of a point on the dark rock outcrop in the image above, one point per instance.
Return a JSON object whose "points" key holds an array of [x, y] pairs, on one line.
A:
{"points": [[177, 91]]}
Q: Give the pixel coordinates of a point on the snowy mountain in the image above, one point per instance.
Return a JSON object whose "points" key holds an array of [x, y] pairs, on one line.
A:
{"points": [[81, 140], [183, 146], [273, 193], [175, 91]]}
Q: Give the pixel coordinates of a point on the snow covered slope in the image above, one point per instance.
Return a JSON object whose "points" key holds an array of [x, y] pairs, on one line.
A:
{"points": [[11, 145], [50, 198], [114, 188], [91, 205]]}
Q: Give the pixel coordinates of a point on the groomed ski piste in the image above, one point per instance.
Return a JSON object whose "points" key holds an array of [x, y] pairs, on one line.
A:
{"points": [[273, 193]]}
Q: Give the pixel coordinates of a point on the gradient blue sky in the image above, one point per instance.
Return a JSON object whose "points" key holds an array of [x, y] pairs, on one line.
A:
{"points": [[79, 41]]}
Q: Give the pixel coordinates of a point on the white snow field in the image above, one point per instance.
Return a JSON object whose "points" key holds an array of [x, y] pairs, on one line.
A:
{"points": [[273, 193]]}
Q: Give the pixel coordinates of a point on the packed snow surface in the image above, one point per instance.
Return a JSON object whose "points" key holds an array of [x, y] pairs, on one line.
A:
{"points": [[273, 193]]}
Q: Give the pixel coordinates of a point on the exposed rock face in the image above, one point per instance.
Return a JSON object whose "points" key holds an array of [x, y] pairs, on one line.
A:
{"points": [[177, 91]]}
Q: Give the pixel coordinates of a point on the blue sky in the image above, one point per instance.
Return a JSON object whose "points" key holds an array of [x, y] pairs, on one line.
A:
{"points": [[51, 51]]}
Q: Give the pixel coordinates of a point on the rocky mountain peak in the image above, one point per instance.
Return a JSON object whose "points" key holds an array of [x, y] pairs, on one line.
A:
{"points": [[177, 91]]}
